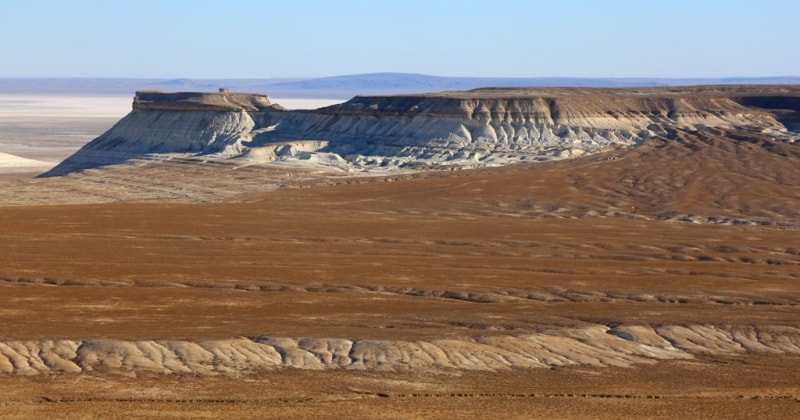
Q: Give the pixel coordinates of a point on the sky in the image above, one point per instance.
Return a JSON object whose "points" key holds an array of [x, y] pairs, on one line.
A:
{"points": [[205, 39]]}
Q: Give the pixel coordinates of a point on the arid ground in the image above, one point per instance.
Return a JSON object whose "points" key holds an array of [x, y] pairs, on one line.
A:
{"points": [[694, 241]]}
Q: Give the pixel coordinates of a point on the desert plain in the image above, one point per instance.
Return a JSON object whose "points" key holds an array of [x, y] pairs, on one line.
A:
{"points": [[655, 281]]}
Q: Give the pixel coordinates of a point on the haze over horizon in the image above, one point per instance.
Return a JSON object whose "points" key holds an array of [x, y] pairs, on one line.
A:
{"points": [[303, 39]]}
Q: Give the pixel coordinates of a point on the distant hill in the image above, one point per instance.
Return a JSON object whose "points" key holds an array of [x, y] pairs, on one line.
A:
{"points": [[347, 86]]}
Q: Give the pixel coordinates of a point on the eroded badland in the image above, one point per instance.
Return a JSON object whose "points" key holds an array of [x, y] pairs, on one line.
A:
{"points": [[654, 276]]}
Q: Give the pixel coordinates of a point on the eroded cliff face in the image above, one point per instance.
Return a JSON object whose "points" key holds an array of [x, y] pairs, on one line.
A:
{"points": [[598, 345], [484, 127]]}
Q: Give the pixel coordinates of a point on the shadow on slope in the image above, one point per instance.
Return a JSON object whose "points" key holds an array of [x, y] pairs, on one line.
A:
{"points": [[786, 109], [704, 177]]}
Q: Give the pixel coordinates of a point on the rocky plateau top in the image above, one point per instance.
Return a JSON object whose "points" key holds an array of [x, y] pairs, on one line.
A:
{"points": [[476, 128]]}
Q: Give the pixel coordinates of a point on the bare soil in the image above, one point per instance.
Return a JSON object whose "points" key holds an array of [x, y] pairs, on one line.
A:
{"points": [[702, 229], [729, 388]]}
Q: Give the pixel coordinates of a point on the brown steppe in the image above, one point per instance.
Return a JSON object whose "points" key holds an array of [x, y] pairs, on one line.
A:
{"points": [[700, 229]]}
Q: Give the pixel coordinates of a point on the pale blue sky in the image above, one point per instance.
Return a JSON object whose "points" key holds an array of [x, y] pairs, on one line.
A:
{"points": [[307, 38]]}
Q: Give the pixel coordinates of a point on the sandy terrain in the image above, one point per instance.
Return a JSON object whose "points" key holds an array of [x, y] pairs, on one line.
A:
{"points": [[657, 281]]}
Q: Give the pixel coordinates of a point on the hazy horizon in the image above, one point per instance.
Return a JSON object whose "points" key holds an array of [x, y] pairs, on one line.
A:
{"points": [[308, 39], [340, 88]]}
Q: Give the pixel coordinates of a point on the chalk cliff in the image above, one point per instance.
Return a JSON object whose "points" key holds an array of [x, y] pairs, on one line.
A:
{"points": [[482, 127]]}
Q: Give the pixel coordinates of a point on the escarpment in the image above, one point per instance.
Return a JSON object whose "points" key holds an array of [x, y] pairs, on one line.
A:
{"points": [[598, 345], [482, 127]]}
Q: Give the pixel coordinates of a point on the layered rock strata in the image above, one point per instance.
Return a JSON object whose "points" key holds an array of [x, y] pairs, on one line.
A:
{"points": [[598, 345], [483, 127]]}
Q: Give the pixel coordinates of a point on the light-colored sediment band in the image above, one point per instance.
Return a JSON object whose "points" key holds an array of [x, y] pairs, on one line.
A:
{"points": [[598, 345], [485, 127]]}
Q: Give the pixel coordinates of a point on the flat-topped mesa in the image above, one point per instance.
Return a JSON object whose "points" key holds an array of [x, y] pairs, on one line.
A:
{"points": [[566, 105], [223, 100], [174, 123], [481, 127], [491, 127], [516, 112]]}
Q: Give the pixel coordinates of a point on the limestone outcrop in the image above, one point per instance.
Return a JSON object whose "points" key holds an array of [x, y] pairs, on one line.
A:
{"points": [[597, 345], [483, 127]]}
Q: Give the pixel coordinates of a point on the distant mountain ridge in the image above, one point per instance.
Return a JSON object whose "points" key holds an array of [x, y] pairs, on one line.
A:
{"points": [[347, 86]]}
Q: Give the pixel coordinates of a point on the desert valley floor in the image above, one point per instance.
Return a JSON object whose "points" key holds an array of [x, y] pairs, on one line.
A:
{"points": [[659, 281]]}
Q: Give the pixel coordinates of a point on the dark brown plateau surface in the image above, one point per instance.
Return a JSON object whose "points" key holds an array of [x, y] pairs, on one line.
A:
{"points": [[656, 279]]}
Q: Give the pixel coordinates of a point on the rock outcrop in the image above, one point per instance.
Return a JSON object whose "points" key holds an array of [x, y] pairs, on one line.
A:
{"points": [[483, 127], [599, 345]]}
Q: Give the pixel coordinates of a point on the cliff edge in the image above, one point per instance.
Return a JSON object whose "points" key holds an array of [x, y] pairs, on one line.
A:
{"points": [[481, 127], [222, 101]]}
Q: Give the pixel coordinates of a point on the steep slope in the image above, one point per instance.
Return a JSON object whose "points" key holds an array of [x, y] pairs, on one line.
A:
{"points": [[483, 127], [161, 123]]}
